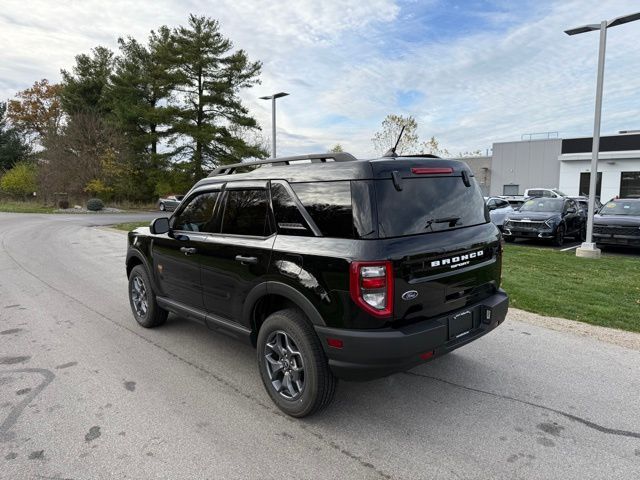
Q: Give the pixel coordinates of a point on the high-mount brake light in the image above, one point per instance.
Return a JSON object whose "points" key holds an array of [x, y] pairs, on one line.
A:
{"points": [[371, 287], [431, 170]]}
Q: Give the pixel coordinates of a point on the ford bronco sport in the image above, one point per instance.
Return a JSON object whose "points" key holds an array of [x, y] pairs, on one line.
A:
{"points": [[332, 267]]}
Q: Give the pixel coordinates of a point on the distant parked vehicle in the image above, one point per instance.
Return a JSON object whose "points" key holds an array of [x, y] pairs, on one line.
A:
{"points": [[618, 223], [583, 204], [499, 208], [543, 192], [170, 203], [546, 218]]}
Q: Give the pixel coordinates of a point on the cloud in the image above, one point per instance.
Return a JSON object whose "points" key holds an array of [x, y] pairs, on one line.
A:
{"points": [[471, 75]]}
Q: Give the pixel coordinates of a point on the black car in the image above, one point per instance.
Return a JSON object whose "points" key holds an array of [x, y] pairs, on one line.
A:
{"points": [[618, 223], [546, 218], [331, 267], [583, 204]]}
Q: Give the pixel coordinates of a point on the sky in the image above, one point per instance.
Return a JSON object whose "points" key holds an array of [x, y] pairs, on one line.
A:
{"points": [[471, 72]]}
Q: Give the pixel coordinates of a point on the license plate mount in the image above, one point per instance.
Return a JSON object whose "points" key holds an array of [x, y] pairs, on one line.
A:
{"points": [[460, 323]]}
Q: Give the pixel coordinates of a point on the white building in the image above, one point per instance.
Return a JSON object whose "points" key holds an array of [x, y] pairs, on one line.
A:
{"points": [[565, 164]]}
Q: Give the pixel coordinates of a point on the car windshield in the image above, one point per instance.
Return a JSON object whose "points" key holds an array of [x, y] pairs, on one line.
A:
{"points": [[543, 205], [621, 207], [558, 192]]}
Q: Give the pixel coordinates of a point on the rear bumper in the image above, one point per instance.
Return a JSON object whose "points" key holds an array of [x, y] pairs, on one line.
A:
{"points": [[367, 354], [612, 239]]}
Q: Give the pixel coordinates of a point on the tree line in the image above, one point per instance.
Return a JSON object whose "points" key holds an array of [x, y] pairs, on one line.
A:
{"points": [[146, 120]]}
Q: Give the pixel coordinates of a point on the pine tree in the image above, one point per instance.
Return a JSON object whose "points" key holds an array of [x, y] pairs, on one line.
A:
{"points": [[13, 148], [210, 76]]}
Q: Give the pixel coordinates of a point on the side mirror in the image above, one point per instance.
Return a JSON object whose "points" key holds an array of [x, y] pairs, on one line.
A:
{"points": [[491, 207], [159, 226]]}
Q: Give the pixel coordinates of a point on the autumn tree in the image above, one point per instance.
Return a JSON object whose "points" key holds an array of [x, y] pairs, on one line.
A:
{"points": [[20, 181], [13, 148], [387, 137], [37, 110], [210, 76]]}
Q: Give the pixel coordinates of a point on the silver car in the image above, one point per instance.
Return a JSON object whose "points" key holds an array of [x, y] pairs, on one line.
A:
{"points": [[499, 209]]}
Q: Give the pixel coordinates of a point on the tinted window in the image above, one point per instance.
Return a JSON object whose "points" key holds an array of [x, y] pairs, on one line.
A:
{"points": [[630, 184], [289, 220], [246, 213], [585, 179], [502, 203], [329, 205], [543, 205], [427, 205], [197, 215]]}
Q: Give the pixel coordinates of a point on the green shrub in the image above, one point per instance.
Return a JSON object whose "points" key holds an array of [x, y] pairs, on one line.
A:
{"points": [[95, 204], [20, 181], [64, 204]]}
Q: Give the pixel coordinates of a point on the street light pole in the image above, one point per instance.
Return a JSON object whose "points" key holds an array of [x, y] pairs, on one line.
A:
{"points": [[273, 119], [588, 247]]}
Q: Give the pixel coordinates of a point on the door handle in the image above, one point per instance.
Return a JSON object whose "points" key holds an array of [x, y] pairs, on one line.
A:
{"points": [[246, 260], [188, 250]]}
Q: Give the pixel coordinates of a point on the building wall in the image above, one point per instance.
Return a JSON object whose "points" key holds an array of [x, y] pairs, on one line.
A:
{"points": [[481, 168], [611, 169], [528, 164]]}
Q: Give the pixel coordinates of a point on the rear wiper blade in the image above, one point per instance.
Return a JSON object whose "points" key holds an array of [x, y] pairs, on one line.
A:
{"points": [[450, 220]]}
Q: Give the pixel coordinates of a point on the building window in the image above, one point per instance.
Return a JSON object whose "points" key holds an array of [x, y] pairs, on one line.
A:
{"points": [[510, 189], [630, 185], [585, 178]]}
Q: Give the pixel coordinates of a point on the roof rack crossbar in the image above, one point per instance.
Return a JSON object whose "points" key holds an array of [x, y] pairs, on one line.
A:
{"points": [[314, 157]]}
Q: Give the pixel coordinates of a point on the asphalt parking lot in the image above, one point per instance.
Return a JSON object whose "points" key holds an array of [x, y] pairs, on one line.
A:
{"points": [[87, 394]]}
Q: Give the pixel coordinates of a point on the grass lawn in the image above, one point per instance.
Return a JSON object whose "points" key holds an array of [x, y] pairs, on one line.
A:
{"points": [[24, 207], [130, 225], [602, 292]]}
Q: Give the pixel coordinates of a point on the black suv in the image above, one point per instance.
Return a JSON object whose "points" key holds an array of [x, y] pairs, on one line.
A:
{"points": [[618, 223], [331, 267], [547, 219]]}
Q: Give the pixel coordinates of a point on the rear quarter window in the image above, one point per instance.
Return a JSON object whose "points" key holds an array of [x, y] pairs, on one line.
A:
{"points": [[329, 205]]}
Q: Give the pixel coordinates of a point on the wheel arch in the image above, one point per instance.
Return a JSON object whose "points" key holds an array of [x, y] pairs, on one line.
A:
{"points": [[269, 297]]}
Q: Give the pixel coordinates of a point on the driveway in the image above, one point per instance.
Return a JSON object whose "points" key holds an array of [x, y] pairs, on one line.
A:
{"points": [[87, 394]]}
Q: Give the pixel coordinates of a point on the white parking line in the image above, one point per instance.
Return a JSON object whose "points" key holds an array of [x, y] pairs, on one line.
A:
{"points": [[569, 248]]}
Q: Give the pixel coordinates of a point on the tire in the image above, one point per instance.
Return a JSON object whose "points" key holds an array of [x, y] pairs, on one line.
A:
{"points": [[162, 207], [142, 299], [316, 386], [558, 240]]}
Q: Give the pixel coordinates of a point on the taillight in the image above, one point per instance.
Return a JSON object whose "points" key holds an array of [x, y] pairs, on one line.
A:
{"points": [[371, 286], [432, 170]]}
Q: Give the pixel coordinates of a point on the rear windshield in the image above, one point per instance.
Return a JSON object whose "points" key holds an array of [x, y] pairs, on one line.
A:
{"points": [[620, 207], [426, 205]]}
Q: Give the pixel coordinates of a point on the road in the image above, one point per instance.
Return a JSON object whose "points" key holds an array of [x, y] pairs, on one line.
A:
{"points": [[87, 394]]}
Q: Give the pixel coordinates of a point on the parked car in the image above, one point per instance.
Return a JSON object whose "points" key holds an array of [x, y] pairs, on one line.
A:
{"points": [[618, 223], [515, 201], [546, 218], [498, 210], [170, 203], [583, 204], [351, 269], [543, 192]]}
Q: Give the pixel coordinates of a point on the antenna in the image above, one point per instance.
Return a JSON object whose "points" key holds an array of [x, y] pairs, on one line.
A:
{"points": [[392, 151]]}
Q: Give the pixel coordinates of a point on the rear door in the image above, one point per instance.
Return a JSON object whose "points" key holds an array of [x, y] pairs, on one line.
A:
{"points": [[236, 257]]}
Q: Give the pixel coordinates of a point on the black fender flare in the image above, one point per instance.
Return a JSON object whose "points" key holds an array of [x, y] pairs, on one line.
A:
{"points": [[286, 291], [132, 253]]}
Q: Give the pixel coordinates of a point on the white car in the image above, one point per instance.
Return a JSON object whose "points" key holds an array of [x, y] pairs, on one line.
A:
{"points": [[499, 209], [543, 192]]}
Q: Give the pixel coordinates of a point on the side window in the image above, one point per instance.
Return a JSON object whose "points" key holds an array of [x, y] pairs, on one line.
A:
{"points": [[329, 205], [246, 213], [289, 220], [492, 203], [197, 215], [502, 203]]}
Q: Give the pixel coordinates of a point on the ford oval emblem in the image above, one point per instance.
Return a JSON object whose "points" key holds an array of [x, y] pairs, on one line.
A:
{"points": [[409, 295]]}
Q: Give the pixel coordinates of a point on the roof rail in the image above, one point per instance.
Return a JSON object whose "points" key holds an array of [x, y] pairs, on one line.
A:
{"points": [[314, 157]]}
